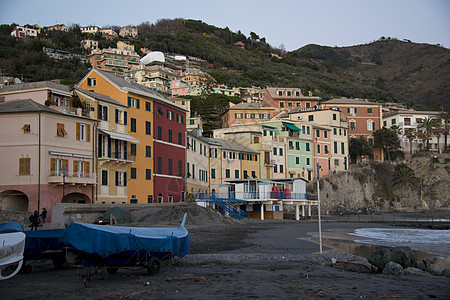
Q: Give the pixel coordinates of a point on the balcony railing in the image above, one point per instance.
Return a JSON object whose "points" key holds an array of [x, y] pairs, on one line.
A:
{"points": [[255, 196], [119, 156], [82, 178]]}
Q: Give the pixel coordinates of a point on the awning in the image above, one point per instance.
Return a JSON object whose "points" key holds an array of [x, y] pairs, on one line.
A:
{"points": [[120, 136], [291, 126], [61, 93]]}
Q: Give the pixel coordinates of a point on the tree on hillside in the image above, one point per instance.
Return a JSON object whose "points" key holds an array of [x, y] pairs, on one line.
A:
{"points": [[428, 125], [404, 174], [386, 139], [438, 131], [410, 134], [359, 147], [446, 117]]}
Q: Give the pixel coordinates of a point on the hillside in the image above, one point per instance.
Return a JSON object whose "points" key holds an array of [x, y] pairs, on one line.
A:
{"points": [[385, 70]]}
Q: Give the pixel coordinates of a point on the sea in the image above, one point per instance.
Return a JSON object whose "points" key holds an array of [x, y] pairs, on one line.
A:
{"points": [[433, 241]]}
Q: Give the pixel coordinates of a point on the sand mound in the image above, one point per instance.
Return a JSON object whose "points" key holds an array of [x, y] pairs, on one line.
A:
{"points": [[173, 215]]}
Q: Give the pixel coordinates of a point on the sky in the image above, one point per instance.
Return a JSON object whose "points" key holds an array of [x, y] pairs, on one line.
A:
{"points": [[290, 23]]}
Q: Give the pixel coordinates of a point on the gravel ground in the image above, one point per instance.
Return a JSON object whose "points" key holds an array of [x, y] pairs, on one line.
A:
{"points": [[230, 260]]}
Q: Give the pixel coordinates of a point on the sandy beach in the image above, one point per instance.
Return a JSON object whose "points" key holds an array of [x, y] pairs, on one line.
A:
{"points": [[234, 260]]}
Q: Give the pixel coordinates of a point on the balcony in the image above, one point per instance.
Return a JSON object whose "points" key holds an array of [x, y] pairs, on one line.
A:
{"points": [[118, 157], [75, 178]]}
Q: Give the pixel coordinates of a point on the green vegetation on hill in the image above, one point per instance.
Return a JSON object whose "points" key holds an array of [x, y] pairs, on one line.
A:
{"points": [[385, 70]]}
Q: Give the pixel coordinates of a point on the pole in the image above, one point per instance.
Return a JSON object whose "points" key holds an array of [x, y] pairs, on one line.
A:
{"points": [[64, 184], [318, 198]]}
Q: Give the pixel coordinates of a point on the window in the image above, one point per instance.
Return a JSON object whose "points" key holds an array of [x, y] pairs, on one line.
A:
{"points": [[83, 132], [170, 135], [275, 151], [407, 121], [256, 139], [325, 134], [307, 147], [281, 104], [334, 117], [393, 121], [297, 145], [121, 117], [121, 178], [180, 138], [281, 151], [326, 149], [288, 93], [104, 177], [148, 106], [170, 165], [289, 104], [318, 133], [369, 110], [335, 148], [149, 198], [91, 82], [26, 128], [307, 130], [227, 173], [281, 169], [340, 131], [148, 151], [275, 168], [160, 165], [103, 112], [160, 112], [291, 145], [336, 162], [351, 110], [342, 148], [148, 174], [133, 102], [133, 125], [308, 161], [253, 174], [318, 148], [133, 173], [132, 149], [297, 160], [169, 115], [159, 133], [236, 174], [352, 125], [371, 125], [60, 130], [308, 105], [148, 128], [370, 140], [24, 166], [280, 93], [180, 168], [311, 118]]}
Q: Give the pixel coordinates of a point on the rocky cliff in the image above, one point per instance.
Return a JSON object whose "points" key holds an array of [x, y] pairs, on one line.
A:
{"points": [[372, 187]]}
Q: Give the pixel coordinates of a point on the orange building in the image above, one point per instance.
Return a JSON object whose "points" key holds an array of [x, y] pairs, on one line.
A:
{"points": [[363, 119], [143, 103]]}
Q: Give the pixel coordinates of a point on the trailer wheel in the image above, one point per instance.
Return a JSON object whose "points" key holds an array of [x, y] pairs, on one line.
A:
{"points": [[112, 270], [153, 266], [26, 269]]}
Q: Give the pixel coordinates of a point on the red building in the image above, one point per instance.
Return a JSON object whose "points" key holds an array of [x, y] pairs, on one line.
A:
{"points": [[169, 152]]}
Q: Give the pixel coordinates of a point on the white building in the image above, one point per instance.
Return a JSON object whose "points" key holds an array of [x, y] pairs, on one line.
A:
{"points": [[410, 119]]}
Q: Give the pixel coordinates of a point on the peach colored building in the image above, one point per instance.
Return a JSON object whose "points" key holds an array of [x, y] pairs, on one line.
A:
{"points": [[47, 157], [363, 119], [245, 113], [283, 99]]}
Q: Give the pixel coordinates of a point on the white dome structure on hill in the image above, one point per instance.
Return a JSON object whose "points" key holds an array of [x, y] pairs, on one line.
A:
{"points": [[151, 57]]}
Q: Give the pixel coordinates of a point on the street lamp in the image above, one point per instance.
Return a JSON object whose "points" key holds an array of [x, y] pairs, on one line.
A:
{"points": [[64, 170]]}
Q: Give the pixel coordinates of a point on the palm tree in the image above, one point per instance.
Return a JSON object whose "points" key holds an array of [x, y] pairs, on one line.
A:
{"points": [[404, 174], [428, 125], [438, 130], [446, 117], [411, 134]]}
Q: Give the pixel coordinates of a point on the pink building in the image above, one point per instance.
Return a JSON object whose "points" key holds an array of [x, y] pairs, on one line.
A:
{"points": [[47, 157], [179, 88]]}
